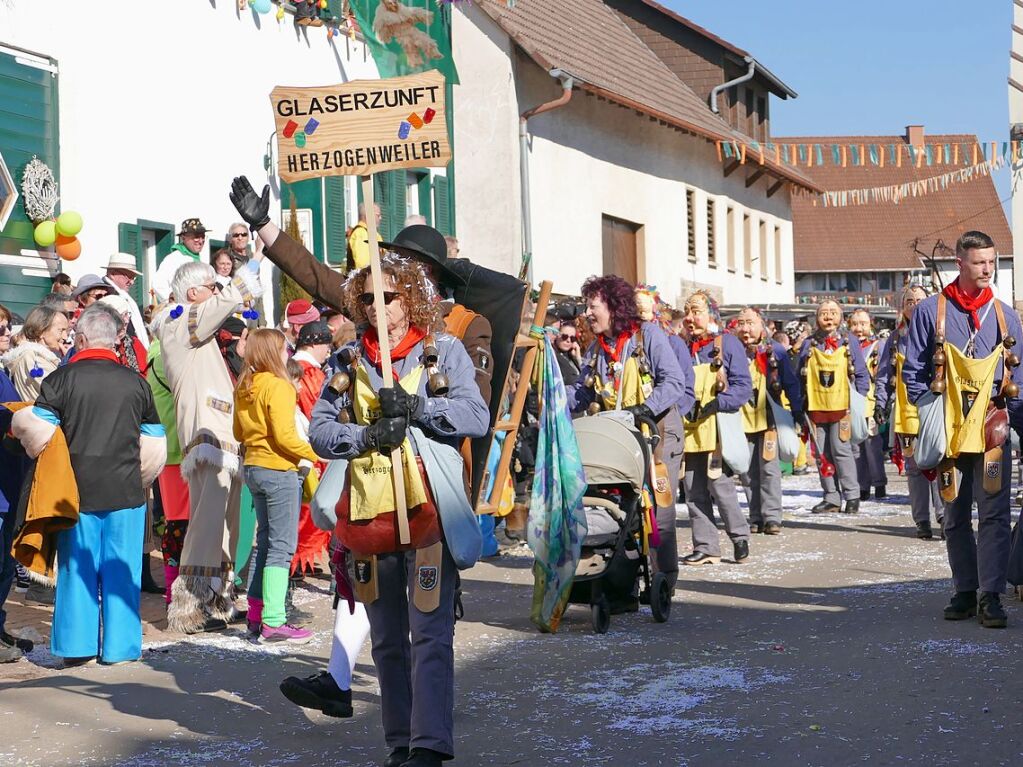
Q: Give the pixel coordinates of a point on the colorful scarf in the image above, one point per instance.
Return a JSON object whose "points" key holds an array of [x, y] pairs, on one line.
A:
{"points": [[371, 346]]}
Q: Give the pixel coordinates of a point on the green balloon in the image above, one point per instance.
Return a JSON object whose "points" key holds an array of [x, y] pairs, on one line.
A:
{"points": [[46, 234], [69, 223]]}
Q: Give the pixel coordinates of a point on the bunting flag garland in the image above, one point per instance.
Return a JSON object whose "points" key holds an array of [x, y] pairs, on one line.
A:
{"points": [[979, 159]]}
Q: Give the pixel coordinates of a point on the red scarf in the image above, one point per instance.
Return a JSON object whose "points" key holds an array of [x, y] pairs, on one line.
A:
{"points": [[831, 342], [761, 357], [95, 354], [954, 293], [615, 354], [371, 346], [695, 346], [866, 342]]}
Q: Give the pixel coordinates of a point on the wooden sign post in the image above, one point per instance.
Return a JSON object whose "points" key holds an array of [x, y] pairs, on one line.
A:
{"points": [[358, 129]]}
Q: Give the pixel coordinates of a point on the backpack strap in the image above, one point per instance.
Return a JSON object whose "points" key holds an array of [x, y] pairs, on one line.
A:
{"points": [[1002, 333], [939, 322]]}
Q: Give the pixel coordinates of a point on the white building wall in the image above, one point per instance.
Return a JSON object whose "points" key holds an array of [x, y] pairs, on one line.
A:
{"points": [[161, 105]]}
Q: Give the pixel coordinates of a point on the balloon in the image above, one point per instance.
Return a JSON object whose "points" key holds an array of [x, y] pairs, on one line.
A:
{"points": [[69, 223], [323, 4], [261, 6], [69, 248], [45, 234]]}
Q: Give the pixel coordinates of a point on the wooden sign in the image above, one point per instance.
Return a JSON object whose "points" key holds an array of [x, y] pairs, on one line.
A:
{"points": [[361, 127]]}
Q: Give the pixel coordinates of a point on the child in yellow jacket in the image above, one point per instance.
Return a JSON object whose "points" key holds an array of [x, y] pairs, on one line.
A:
{"points": [[264, 423]]}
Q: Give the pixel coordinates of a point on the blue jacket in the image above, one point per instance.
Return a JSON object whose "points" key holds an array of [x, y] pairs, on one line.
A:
{"points": [[787, 376], [736, 366]]}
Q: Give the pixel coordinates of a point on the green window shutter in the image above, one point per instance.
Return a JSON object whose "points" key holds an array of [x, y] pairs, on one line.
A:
{"points": [[129, 240], [389, 194], [334, 211], [424, 190], [441, 210]]}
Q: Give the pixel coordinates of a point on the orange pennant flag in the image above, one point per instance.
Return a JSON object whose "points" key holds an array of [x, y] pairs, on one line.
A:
{"points": [[898, 156], [720, 158], [880, 154], [742, 155], [955, 154], [974, 154], [843, 156], [777, 153]]}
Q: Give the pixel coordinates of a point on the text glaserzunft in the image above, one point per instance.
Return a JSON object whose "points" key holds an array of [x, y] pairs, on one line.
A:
{"points": [[361, 127]]}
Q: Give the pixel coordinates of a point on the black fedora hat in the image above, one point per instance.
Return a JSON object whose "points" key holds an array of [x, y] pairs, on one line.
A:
{"points": [[424, 242]]}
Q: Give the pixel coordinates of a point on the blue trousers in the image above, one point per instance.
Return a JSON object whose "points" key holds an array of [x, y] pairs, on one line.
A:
{"points": [[277, 498], [99, 571], [6, 560]]}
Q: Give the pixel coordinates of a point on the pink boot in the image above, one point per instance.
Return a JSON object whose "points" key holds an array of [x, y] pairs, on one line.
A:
{"points": [[255, 617], [170, 574]]}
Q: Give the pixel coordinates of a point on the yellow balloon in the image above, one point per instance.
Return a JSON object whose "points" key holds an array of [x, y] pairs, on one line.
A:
{"points": [[69, 223]]}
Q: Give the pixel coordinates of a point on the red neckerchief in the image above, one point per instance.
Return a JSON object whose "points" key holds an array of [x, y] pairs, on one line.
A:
{"points": [[831, 342], [866, 342], [695, 346], [761, 357], [615, 354], [371, 346], [95, 354], [953, 292]]}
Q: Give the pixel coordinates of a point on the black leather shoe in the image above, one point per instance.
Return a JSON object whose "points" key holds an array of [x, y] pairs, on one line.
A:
{"points": [[962, 606], [423, 757], [319, 692], [924, 531], [396, 758], [851, 507], [865, 494], [772, 528], [992, 614], [825, 508], [741, 550], [881, 491], [699, 558], [755, 527]]}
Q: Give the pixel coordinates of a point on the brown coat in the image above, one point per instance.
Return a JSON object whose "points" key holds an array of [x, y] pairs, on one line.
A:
{"points": [[324, 284]]}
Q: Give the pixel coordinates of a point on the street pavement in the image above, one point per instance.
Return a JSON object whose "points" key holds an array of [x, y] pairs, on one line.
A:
{"points": [[826, 648]]}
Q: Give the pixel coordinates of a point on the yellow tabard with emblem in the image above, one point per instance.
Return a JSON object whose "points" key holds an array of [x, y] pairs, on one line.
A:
{"points": [[635, 387], [702, 435], [827, 380], [968, 385], [754, 417], [905, 418], [372, 488], [872, 362]]}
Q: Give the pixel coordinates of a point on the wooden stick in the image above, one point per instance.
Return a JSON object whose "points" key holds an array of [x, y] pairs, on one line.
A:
{"points": [[397, 472]]}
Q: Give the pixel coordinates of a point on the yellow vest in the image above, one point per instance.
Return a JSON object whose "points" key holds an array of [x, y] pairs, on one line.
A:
{"points": [[636, 387], [754, 416], [968, 384], [904, 414], [372, 487], [827, 380], [702, 435], [872, 363]]}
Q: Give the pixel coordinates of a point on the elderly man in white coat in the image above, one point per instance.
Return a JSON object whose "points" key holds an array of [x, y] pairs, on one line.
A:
{"points": [[198, 376], [121, 276]]}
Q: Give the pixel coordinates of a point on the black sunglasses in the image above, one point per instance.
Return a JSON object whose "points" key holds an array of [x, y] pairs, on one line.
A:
{"points": [[567, 337], [240, 234], [367, 298]]}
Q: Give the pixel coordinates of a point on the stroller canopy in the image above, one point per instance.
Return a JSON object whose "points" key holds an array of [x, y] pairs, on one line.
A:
{"points": [[612, 452]]}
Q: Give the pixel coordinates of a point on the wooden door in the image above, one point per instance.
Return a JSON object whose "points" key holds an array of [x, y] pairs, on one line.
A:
{"points": [[620, 251]]}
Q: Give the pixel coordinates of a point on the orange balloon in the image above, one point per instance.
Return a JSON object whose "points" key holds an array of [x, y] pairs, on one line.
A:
{"points": [[68, 248]]}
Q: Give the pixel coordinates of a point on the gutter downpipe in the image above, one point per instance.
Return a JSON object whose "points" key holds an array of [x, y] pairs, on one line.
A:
{"points": [[737, 81], [526, 269]]}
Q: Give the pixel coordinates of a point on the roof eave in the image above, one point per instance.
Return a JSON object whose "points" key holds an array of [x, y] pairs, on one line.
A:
{"points": [[774, 83]]}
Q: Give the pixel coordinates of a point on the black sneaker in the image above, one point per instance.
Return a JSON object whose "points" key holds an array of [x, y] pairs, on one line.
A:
{"points": [[423, 757], [25, 645], [396, 757], [865, 494], [962, 606], [992, 614], [741, 550], [320, 692], [924, 531], [881, 491], [851, 507], [825, 508]]}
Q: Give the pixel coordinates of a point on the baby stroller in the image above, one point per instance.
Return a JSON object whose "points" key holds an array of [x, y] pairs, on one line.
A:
{"points": [[616, 458]]}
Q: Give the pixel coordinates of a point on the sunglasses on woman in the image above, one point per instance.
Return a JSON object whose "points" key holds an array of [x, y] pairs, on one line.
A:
{"points": [[567, 337], [367, 299]]}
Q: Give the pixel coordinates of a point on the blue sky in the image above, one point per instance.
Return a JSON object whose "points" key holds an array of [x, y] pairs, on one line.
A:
{"points": [[874, 67]]}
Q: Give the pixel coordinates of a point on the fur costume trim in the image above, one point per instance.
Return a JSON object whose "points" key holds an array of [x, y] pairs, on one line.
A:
{"points": [[205, 454], [29, 347]]}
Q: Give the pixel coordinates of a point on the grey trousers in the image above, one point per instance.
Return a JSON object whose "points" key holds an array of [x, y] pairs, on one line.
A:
{"points": [[870, 462], [979, 562], [417, 677], [924, 495], [672, 452], [763, 483], [843, 484], [699, 492]]}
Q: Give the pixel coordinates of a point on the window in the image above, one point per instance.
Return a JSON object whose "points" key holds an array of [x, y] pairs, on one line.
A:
{"points": [[730, 234], [884, 281], [820, 282], [691, 225], [8, 193], [442, 207], [712, 250], [763, 250], [747, 245], [778, 277]]}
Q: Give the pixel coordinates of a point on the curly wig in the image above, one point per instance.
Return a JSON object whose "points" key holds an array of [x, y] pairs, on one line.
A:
{"points": [[620, 298], [410, 282]]}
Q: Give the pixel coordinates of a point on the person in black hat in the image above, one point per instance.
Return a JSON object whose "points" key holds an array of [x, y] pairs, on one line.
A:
{"points": [[191, 239], [420, 242]]}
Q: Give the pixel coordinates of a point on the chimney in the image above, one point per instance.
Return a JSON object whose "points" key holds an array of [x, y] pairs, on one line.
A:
{"points": [[915, 135]]}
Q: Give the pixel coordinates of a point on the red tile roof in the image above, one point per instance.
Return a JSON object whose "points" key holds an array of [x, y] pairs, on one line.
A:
{"points": [[589, 41], [879, 236]]}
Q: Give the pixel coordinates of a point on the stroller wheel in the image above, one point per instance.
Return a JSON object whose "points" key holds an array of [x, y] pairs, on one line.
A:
{"points": [[660, 597], [601, 613]]}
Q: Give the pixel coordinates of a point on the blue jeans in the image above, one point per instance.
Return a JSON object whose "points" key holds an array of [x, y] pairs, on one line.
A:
{"points": [[6, 560], [277, 496]]}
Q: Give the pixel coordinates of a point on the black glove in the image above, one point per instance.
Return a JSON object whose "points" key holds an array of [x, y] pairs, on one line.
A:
{"points": [[641, 412], [709, 409], [386, 434], [255, 210], [398, 403], [880, 416]]}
